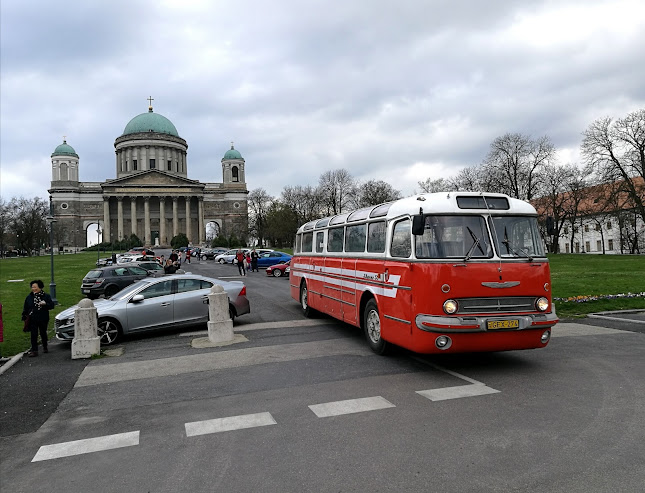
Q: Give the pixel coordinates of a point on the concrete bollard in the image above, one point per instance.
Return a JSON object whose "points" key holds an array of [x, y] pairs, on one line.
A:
{"points": [[86, 342], [220, 325]]}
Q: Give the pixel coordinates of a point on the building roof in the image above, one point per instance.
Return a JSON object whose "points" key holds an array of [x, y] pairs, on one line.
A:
{"points": [[150, 122], [64, 149], [232, 153]]}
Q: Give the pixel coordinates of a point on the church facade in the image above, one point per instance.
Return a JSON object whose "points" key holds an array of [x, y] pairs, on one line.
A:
{"points": [[151, 196]]}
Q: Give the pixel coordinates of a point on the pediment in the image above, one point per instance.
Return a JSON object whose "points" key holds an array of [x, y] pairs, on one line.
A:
{"points": [[151, 178]]}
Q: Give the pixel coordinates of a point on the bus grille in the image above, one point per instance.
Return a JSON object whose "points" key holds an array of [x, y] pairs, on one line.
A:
{"points": [[496, 305]]}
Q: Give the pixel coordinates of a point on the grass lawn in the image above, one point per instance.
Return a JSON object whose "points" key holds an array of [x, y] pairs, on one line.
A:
{"points": [[572, 276]]}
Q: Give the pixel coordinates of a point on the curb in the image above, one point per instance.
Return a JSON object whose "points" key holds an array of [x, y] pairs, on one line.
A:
{"points": [[606, 316], [10, 363]]}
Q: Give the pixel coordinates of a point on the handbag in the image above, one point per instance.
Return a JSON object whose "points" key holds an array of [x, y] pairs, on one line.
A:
{"points": [[25, 328]]}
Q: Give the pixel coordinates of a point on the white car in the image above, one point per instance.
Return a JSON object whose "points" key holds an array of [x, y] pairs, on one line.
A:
{"points": [[124, 259], [226, 257]]}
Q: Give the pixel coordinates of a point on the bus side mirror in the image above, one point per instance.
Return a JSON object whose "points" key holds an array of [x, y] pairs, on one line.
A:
{"points": [[550, 227], [417, 225]]}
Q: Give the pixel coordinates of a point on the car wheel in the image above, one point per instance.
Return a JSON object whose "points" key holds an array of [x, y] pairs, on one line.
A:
{"points": [[372, 328], [304, 300], [111, 291], [277, 273], [231, 314], [109, 331], [221, 261]]}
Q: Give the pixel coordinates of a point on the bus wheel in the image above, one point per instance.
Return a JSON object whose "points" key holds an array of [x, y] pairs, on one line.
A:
{"points": [[372, 327], [304, 300]]}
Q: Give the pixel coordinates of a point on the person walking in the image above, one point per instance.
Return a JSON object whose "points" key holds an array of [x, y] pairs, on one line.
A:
{"points": [[239, 256], [254, 260], [36, 312], [170, 267], [188, 254]]}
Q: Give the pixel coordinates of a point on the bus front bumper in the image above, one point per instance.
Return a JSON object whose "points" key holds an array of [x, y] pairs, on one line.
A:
{"points": [[488, 323]]}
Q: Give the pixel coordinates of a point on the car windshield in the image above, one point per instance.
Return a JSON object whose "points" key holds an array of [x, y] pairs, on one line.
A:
{"points": [[517, 236], [128, 290], [453, 236]]}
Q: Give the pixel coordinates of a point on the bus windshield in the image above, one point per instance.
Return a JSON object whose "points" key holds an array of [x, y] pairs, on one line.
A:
{"points": [[449, 236], [517, 236]]}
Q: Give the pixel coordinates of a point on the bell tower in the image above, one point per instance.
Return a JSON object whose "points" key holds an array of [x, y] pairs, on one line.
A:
{"points": [[233, 167]]}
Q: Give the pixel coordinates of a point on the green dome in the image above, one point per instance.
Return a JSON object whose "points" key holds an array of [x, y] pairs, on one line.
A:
{"points": [[232, 154], [150, 122], [64, 150]]}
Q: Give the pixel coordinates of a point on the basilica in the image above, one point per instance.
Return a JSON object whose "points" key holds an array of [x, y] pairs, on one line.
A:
{"points": [[151, 196]]}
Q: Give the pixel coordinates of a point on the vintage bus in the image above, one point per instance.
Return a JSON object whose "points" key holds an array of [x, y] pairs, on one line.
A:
{"points": [[433, 273]]}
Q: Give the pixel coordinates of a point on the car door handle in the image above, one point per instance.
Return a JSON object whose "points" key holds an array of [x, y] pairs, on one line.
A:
{"points": [[165, 304]]}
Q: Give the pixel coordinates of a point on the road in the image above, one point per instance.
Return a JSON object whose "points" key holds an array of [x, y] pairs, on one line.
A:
{"points": [[304, 405]]}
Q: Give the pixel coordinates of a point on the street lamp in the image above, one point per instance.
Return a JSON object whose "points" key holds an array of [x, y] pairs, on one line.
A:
{"points": [[50, 221], [98, 242]]}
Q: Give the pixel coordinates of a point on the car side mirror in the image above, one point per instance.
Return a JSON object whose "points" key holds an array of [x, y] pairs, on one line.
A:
{"points": [[418, 225], [137, 298]]}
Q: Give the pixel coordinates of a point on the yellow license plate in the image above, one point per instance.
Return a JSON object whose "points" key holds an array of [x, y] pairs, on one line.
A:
{"points": [[502, 324]]}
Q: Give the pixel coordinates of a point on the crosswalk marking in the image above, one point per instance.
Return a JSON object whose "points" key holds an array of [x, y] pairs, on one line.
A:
{"points": [[457, 392], [77, 447], [229, 423], [350, 406]]}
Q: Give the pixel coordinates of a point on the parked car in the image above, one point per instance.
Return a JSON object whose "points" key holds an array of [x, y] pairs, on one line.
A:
{"points": [[207, 253], [154, 267], [124, 259], [110, 280], [227, 258], [174, 301], [102, 262], [272, 258], [278, 270]]}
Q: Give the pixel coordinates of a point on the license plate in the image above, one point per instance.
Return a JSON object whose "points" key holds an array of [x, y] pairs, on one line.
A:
{"points": [[86, 291], [502, 324]]}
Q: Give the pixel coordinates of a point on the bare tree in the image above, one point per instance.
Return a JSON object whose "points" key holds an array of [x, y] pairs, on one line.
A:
{"points": [[470, 179], [437, 185], [515, 162], [374, 192], [336, 188], [28, 222], [5, 222], [615, 151], [259, 202], [304, 201]]}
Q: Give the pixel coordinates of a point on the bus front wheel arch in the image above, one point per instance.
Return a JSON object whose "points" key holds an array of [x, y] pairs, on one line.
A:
{"points": [[372, 328], [304, 300]]}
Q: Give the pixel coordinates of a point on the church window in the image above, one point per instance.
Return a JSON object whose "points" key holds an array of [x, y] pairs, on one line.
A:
{"points": [[134, 164], [235, 173], [153, 164], [169, 165]]}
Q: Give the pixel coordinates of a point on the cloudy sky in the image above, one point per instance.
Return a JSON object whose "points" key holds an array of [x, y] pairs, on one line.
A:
{"points": [[398, 91]]}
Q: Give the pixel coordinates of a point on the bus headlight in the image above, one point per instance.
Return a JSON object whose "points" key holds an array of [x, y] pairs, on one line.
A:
{"points": [[450, 306], [542, 304]]}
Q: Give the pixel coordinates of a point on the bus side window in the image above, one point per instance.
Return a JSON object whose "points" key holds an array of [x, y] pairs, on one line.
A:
{"points": [[307, 240], [376, 237], [298, 243], [355, 238], [335, 239], [401, 239], [320, 241]]}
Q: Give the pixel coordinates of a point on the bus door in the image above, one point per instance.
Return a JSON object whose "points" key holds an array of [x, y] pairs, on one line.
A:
{"points": [[332, 287], [395, 303]]}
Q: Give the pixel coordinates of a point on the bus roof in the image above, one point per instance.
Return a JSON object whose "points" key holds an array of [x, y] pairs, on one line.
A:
{"points": [[430, 203]]}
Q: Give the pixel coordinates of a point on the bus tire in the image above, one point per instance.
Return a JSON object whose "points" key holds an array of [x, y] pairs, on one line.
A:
{"points": [[304, 300], [372, 328]]}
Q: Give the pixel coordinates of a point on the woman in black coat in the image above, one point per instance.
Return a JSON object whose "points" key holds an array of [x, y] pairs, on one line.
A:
{"points": [[36, 307]]}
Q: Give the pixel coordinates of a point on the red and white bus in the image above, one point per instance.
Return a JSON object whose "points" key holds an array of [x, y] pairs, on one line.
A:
{"points": [[434, 273]]}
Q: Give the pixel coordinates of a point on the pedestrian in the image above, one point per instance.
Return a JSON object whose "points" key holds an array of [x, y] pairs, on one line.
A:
{"points": [[173, 256], [247, 261], [188, 253], [170, 267], [35, 313], [239, 257], [162, 260], [254, 260]]}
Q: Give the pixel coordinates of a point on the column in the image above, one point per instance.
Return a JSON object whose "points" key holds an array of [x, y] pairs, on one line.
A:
{"points": [[133, 215], [200, 219], [162, 221], [175, 217], [106, 216], [119, 218], [146, 219], [128, 159], [188, 218], [144, 159]]}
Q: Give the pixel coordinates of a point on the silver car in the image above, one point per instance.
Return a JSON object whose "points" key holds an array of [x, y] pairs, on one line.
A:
{"points": [[179, 300]]}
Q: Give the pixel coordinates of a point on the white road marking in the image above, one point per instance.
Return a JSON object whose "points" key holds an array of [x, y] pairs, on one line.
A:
{"points": [[228, 424], [457, 392], [350, 406], [78, 447]]}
